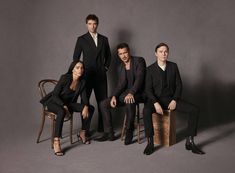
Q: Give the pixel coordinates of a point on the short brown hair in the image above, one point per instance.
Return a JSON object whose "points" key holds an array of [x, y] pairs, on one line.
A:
{"points": [[122, 46], [160, 45], [92, 17]]}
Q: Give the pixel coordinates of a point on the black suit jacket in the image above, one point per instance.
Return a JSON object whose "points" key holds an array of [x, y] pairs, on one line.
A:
{"points": [[153, 83], [138, 69], [94, 58], [64, 83]]}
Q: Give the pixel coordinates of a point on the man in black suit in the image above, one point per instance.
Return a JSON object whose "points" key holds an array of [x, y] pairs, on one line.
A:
{"points": [[163, 89], [96, 57], [128, 92]]}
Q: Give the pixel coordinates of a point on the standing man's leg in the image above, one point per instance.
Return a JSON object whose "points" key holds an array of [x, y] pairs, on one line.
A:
{"points": [[101, 93], [105, 108], [89, 87]]}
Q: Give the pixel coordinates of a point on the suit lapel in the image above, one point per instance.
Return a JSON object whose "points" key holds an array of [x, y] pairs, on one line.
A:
{"points": [[158, 73], [99, 43], [90, 40], [168, 73], [132, 68]]}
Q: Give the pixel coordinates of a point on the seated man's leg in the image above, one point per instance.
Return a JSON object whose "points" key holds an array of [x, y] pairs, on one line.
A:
{"points": [[130, 111], [105, 108], [193, 114], [148, 126]]}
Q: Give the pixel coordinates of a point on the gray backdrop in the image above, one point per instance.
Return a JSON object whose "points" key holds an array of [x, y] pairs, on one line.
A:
{"points": [[38, 39]]}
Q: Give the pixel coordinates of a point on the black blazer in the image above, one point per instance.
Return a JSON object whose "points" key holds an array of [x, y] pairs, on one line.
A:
{"points": [[153, 83], [64, 83], [138, 69], [97, 58]]}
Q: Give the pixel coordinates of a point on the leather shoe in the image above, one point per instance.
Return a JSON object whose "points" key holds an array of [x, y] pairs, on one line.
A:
{"points": [[106, 137], [190, 145], [129, 137], [149, 149]]}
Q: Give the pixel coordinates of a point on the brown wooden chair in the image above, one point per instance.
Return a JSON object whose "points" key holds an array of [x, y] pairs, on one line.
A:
{"points": [[137, 124], [164, 128], [42, 85]]}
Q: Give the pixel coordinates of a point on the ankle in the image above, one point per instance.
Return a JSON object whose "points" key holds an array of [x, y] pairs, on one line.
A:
{"points": [[189, 140]]}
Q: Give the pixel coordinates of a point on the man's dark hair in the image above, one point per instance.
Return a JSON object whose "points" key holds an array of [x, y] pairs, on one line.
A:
{"points": [[160, 45], [92, 17], [123, 45]]}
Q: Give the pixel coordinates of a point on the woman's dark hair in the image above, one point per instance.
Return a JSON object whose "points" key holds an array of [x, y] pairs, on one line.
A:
{"points": [[92, 17], [72, 65], [160, 45]]}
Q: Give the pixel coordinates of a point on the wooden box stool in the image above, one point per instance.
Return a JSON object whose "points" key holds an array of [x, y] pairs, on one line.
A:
{"points": [[164, 128]]}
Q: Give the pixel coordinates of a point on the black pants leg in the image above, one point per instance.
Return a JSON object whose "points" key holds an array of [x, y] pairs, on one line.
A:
{"points": [[130, 109], [193, 115], [77, 107], [105, 108], [181, 106], [147, 117], [98, 82], [60, 114], [107, 116]]}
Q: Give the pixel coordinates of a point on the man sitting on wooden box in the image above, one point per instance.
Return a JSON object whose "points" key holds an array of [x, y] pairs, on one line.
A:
{"points": [[163, 89]]}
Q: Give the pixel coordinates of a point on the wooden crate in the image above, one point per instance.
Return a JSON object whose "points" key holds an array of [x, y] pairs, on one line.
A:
{"points": [[164, 128]]}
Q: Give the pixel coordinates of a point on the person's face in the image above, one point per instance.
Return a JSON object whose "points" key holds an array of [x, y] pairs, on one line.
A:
{"points": [[78, 69], [92, 26], [124, 55], [162, 53]]}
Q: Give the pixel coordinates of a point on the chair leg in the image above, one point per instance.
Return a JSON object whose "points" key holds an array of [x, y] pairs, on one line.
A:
{"points": [[41, 128], [138, 122], [53, 132], [123, 128], [138, 131], [71, 129]]}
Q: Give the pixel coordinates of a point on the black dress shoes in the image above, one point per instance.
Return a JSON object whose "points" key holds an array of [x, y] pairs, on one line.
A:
{"points": [[129, 137], [149, 149], [106, 137], [190, 145]]}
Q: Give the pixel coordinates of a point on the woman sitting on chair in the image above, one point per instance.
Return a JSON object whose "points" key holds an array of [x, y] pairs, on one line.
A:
{"points": [[64, 98]]}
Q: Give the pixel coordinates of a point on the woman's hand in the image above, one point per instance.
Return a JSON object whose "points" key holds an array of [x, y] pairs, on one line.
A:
{"points": [[85, 112]]}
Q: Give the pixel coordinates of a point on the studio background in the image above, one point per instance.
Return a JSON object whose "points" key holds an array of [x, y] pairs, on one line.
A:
{"points": [[38, 40]]}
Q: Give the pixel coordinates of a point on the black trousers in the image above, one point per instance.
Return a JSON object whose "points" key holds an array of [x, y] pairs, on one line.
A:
{"points": [[181, 106], [129, 108], [60, 114], [98, 83]]}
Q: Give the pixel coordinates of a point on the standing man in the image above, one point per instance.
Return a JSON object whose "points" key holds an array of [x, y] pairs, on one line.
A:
{"points": [[163, 90], [128, 92], [96, 57]]}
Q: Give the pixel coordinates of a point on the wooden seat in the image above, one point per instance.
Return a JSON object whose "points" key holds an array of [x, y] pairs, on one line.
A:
{"points": [[43, 87], [137, 124], [164, 128]]}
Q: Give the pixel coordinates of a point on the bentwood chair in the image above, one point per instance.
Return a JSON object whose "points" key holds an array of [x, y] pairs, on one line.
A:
{"points": [[44, 86]]}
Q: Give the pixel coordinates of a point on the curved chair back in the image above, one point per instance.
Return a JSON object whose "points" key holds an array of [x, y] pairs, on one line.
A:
{"points": [[43, 89]]}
